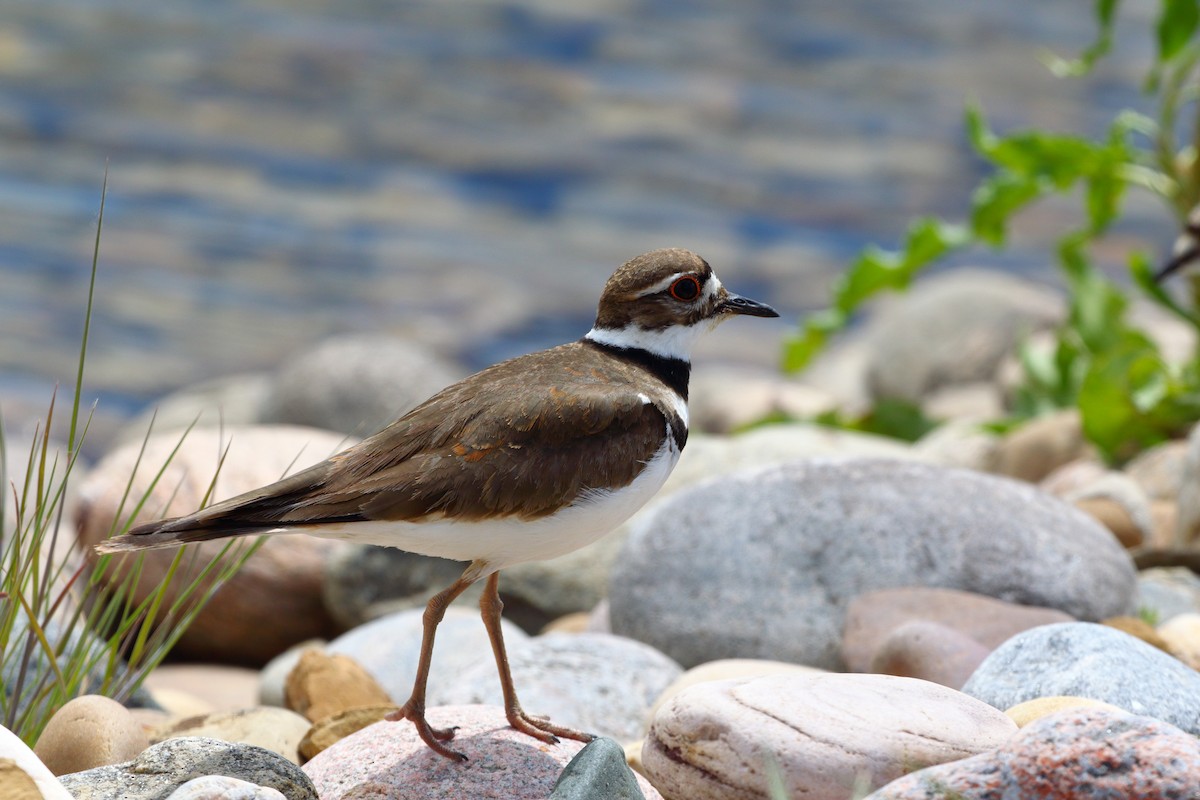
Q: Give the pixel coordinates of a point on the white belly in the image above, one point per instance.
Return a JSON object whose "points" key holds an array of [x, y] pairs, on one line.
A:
{"points": [[504, 542]]}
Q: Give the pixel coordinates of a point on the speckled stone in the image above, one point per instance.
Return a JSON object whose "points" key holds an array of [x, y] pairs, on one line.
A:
{"points": [[1084, 754], [820, 736], [1088, 660], [778, 553], [389, 760]]}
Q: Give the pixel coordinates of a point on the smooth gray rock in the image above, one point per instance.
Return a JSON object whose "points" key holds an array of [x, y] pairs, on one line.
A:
{"points": [[388, 648], [164, 767], [594, 682], [761, 564], [356, 384], [598, 771], [1086, 660], [953, 328]]}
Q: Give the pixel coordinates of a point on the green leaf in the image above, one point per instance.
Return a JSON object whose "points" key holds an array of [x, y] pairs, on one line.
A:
{"points": [[1105, 14], [1176, 25]]}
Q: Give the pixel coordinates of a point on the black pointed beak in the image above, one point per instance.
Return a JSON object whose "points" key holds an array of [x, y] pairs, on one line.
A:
{"points": [[736, 304]]}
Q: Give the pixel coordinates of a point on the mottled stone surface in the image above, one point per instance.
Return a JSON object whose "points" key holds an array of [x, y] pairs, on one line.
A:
{"points": [[1095, 661], [778, 553], [164, 767], [388, 759], [819, 736], [1084, 754]]}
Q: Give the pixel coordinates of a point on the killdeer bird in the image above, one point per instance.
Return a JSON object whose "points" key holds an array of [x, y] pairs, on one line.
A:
{"points": [[529, 459]]}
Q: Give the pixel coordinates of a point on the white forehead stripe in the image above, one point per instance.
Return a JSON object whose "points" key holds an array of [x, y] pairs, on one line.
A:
{"points": [[655, 288]]}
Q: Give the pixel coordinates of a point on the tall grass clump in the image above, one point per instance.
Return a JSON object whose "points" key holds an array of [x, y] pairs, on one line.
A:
{"points": [[70, 623]]}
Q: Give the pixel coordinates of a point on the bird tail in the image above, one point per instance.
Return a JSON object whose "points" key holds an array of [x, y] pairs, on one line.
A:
{"points": [[170, 533]]}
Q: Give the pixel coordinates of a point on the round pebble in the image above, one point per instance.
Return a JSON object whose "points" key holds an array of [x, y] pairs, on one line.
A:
{"points": [[89, 731]]}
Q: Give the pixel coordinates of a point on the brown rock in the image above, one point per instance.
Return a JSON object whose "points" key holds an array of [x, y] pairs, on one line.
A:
{"points": [[275, 600], [930, 651], [872, 616], [1042, 445], [15, 784], [322, 685], [1181, 634], [323, 734], [1114, 516], [1159, 470], [1136, 626], [89, 731], [1165, 517]]}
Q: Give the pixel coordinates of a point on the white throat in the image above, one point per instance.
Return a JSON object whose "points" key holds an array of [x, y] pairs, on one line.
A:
{"points": [[675, 341]]}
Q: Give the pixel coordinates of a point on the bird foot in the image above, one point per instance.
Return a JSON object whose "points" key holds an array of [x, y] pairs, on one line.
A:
{"points": [[542, 728], [433, 737]]}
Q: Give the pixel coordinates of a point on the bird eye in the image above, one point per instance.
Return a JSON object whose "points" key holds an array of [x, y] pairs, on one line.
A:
{"points": [[686, 289]]}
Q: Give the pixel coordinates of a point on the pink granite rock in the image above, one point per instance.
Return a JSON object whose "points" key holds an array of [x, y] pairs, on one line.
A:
{"points": [[1082, 754], [388, 760], [822, 737], [872, 616]]}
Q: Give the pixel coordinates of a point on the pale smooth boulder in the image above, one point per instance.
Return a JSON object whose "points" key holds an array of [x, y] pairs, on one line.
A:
{"points": [[89, 731], [826, 735]]}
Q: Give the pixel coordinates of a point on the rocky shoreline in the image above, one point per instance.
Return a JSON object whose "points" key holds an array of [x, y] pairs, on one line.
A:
{"points": [[802, 612]]}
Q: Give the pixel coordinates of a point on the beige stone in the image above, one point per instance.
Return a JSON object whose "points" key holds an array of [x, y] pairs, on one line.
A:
{"points": [[89, 731], [1114, 516], [633, 756], [324, 733], [323, 684], [15, 784], [1136, 626], [1029, 711], [568, 623], [1182, 637], [275, 729], [15, 752], [1040, 446]]}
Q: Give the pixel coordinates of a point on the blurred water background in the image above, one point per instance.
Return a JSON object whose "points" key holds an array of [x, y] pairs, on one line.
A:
{"points": [[470, 172]]}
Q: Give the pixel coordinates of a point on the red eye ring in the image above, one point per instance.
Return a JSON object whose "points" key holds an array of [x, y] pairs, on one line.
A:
{"points": [[685, 289]]}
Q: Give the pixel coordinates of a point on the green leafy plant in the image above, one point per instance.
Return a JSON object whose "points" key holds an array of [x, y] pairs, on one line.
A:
{"points": [[70, 625], [1128, 395]]}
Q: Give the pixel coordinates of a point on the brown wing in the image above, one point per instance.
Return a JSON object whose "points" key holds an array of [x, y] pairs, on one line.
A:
{"points": [[498, 443]]}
